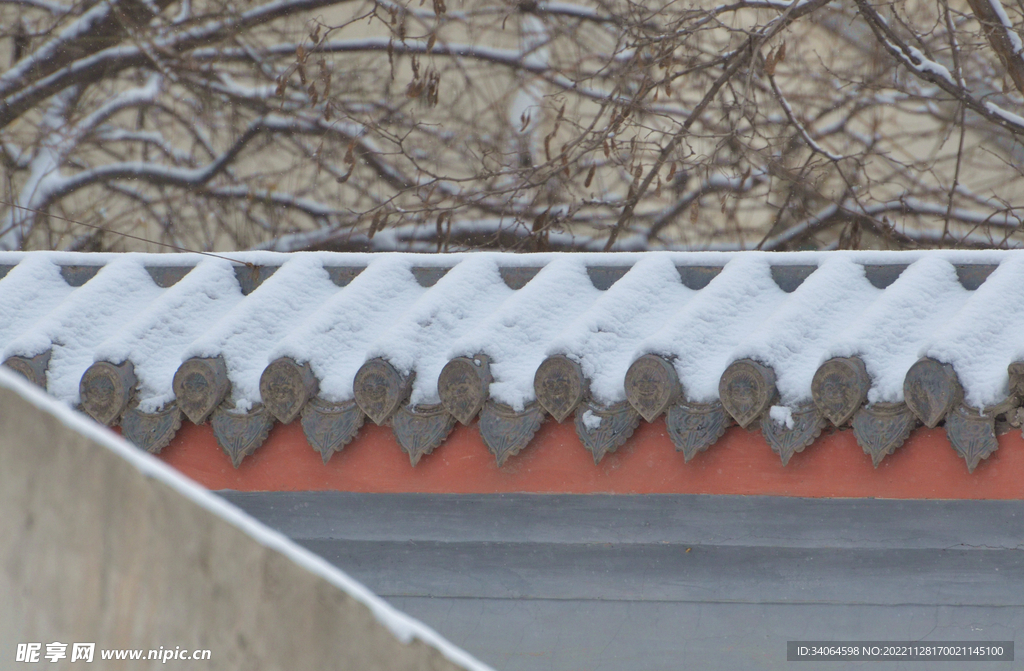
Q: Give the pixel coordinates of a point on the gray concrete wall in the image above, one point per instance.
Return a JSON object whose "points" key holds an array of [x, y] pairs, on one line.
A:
{"points": [[93, 550], [674, 582]]}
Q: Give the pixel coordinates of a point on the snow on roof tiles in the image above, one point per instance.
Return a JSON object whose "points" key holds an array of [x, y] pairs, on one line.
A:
{"points": [[784, 341]]}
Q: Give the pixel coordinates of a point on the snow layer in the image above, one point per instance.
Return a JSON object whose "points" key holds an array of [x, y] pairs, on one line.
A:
{"points": [[793, 340], [248, 333], [703, 336], [894, 331], [517, 334], [334, 338], [89, 315], [155, 340], [404, 628], [121, 315], [604, 337], [454, 307], [31, 290], [984, 336]]}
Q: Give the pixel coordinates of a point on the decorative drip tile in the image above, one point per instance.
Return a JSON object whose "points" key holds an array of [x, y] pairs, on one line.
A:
{"points": [[1016, 373], [560, 386], [518, 277], [882, 427], [789, 278], [972, 434], [785, 441], [167, 276], [106, 389], [604, 430], [32, 369], [881, 276], [200, 385], [380, 389], [652, 385], [694, 427], [603, 277], [420, 430], [698, 277], [239, 435], [839, 388], [463, 386], [250, 277], [330, 426], [78, 275], [151, 431], [747, 390], [931, 390], [428, 276], [505, 431], [285, 387]]}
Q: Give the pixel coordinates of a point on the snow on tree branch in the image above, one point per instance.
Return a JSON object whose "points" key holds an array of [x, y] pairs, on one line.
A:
{"points": [[525, 125]]}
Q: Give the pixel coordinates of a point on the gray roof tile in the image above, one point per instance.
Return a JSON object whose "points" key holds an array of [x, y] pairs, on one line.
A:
{"points": [[786, 342]]}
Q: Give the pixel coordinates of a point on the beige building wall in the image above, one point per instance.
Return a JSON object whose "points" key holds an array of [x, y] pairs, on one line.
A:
{"points": [[101, 545]]}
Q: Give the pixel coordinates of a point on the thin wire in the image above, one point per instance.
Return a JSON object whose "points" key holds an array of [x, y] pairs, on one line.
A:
{"points": [[127, 235]]}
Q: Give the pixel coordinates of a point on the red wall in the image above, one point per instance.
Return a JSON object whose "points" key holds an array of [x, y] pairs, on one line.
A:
{"points": [[740, 463]]}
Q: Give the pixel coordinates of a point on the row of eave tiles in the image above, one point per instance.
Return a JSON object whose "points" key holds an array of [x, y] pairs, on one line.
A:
{"points": [[748, 341]]}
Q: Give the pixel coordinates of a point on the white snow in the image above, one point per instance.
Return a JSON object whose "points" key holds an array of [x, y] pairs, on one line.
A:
{"points": [[925, 64], [88, 315], [591, 421], [985, 336], [155, 340], [1008, 29], [403, 627], [247, 333], [702, 336], [781, 415], [517, 334], [30, 290], [456, 305], [794, 338], [335, 337], [891, 334], [299, 312], [1015, 119], [603, 339]]}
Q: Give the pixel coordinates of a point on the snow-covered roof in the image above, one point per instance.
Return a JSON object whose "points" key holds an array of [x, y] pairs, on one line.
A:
{"points": [[787, 341]]}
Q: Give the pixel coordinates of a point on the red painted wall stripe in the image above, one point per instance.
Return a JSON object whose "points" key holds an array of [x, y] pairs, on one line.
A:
{"points": [[926, 467]]}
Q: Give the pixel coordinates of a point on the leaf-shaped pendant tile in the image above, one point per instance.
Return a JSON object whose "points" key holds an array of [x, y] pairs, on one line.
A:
{"points": [[420, 430], [285, 387], [505, 431], [380, 389], [840, 386], [604, 430], [200, 385], [463, 385], [931, 389], [240, 434], [106, 389], [880, 428], [972, 435], [330, 426], [152, 431], [694, 427], [785, 441], [560, 386]]}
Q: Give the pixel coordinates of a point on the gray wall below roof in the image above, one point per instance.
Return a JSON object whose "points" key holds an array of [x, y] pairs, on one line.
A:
{"points": [[554, 582], [93, 550]]}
